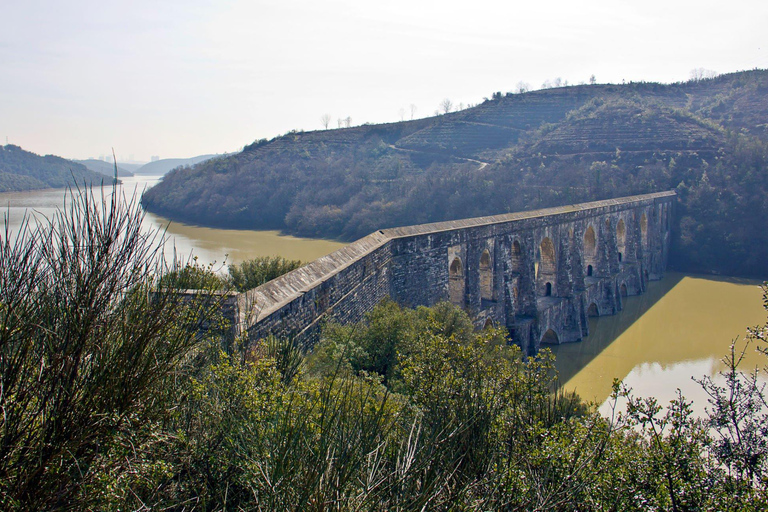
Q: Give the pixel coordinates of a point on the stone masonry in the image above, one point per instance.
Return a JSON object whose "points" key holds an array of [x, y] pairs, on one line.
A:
{"points": [[540, 274]]}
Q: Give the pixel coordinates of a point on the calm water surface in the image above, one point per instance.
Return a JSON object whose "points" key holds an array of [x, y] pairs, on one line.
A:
{"points": [[209, 245], [681, 328]]}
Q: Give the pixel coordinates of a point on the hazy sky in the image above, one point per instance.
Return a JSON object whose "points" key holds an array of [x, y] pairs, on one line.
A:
{"points": [[183, 78]]}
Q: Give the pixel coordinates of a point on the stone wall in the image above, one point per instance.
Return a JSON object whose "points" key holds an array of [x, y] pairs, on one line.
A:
{"points": [[526, 271]]}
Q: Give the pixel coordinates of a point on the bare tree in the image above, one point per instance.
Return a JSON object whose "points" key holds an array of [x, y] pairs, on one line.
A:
{"points": [[700, 74], [340, 121], [446, 105], [348, 122], [592, 80], [413, 110], [325, 120], [402, 114], [522, 87]]}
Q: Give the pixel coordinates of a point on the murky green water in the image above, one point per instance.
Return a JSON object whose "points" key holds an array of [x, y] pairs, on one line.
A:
{"points": [[209, 245], [681, 328]]}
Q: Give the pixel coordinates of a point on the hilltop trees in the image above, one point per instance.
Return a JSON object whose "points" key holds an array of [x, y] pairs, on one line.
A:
{"points": [[526, 151]]}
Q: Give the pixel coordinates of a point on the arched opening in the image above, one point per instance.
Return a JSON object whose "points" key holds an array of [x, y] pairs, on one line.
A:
{"points": [[621, 237], [547, 269], [456, 282], [488, 323], [550, 338], [590, 249], [486, 276], [592, 310], [623, 290], [517, 257], [644, 231]]}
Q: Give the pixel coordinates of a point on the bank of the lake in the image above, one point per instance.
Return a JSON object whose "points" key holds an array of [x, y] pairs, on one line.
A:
{"points": [[209, 245], [680, 328]]}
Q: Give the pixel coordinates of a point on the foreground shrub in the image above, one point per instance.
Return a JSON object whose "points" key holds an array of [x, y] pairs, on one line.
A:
{"points": [[89, 343]]}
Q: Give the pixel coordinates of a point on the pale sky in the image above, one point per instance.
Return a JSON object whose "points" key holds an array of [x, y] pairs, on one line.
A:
{"points": [[184, 78]]}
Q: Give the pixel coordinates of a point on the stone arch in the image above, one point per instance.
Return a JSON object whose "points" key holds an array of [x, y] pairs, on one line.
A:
{"points": [[550, 338], [548, 264], [644, 231], [456, 282], [593, 310], [488, 324], [486, 276], [623, 290], [621, 238], [547, 289], [590, 251], [547, 270], [516, 257]]}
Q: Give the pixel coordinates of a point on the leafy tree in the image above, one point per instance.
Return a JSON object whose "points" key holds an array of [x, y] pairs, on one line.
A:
{"points": [[257, 271]]}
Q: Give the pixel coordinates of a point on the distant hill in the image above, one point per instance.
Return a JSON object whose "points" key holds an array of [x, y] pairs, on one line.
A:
{"points": [[707, 139], [105, 168], [22, 170], [160, 167], [129, 166]]}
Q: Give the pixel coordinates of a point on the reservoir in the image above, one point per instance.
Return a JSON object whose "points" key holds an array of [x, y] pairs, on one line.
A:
{"points": [[208, 244], [680, 328]]}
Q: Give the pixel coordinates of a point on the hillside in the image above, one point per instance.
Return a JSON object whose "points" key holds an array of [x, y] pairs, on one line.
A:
{"points": [[707, 139], [104, 168], [160, 167], [22, 170]]}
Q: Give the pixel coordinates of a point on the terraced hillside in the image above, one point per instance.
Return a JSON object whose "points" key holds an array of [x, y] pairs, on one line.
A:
{"points": [[517, 151]]}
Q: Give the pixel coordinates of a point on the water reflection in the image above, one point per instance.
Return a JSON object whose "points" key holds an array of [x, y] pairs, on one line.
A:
{"points": [[681, 328]]}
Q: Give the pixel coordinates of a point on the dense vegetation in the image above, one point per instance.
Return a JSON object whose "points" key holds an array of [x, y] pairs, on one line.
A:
{"points": [[22, 170], [707, 139], [118, 396], [242, 277]]}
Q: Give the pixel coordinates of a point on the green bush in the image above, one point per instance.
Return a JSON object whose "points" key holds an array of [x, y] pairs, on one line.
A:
{"points": [[257, 271]]}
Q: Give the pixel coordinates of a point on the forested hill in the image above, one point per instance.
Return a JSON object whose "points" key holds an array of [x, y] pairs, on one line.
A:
{"points": [[707, 139], [22, 170]]}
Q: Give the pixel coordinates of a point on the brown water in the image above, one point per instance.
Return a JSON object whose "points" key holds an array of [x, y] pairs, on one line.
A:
{"points": [[680, 328], [209, 245]]}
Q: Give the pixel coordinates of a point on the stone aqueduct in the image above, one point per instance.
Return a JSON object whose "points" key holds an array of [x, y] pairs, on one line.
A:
{"points": [[540, 274]]}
